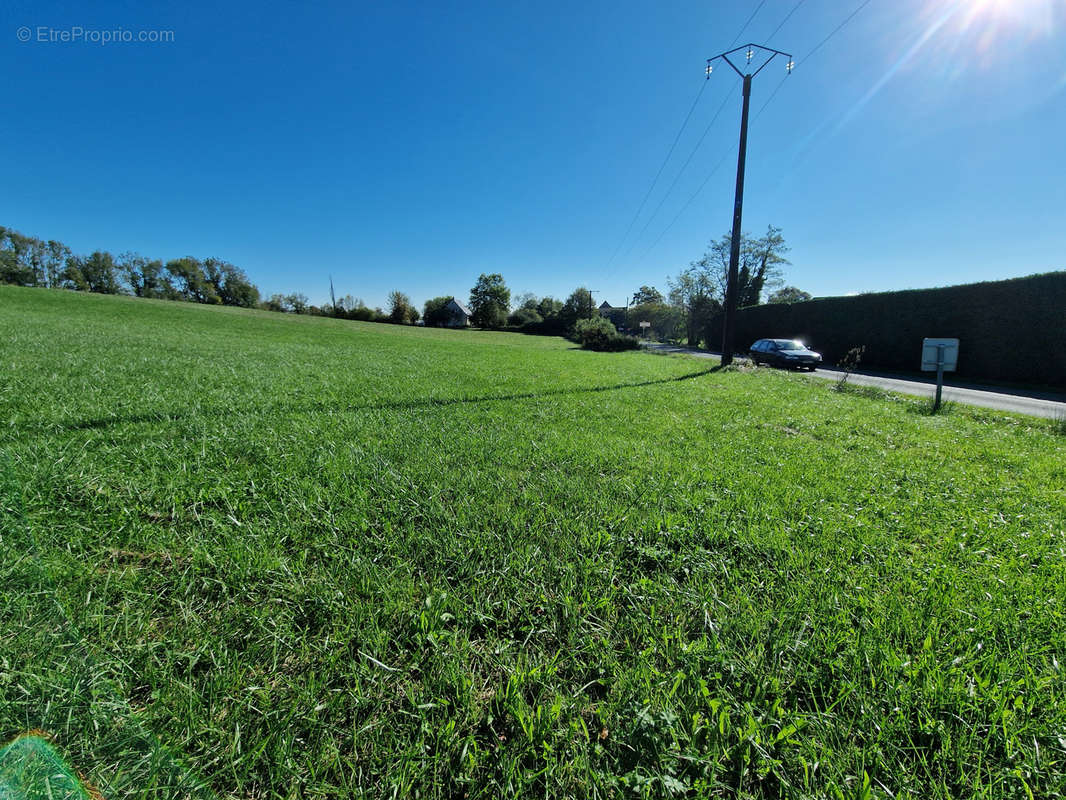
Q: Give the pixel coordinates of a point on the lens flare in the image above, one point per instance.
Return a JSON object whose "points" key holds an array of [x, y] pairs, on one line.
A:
{"points": [[987, 25]]}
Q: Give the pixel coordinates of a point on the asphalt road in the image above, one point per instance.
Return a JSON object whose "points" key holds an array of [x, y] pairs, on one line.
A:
{"points": [[1019, 401]]}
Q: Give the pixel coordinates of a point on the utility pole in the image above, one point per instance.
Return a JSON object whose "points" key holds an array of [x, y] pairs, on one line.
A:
{"points": [[750, 51]]}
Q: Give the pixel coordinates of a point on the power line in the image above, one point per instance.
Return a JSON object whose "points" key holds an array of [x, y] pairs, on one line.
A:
{"points": [[788, 16], [762, 108], [746, 24], [707, 129], [817, 47], [688, 202], [655, 180], [837, 29], [677, 138], [681, 171]]}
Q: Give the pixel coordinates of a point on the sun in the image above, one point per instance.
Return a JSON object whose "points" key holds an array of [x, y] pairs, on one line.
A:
{"points": [[992, 20], [992, 32]]}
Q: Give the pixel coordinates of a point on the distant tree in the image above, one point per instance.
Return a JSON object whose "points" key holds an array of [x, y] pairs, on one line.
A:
{"points": [[93, 273], [348, 304], [55, 259], [579, 305], [190, 282], [16, 261], [524, 315], [549, 307], [667, 321], [35, 260], [693, 293], [789, 294], [146, 277], [400, 308], [276, 302], [525, 300], [297, 303], [490, 300], [230, 283], [11, 271], [435, 312], [648, 295]]}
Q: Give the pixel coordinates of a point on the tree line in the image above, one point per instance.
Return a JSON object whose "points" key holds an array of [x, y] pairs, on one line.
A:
{"points": [[29, 261], [694, 297], [685, 313]]}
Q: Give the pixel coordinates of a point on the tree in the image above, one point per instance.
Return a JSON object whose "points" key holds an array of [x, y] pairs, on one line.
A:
{"points": [[400, 309], [490, 299], [190, 282], [92, 273], [579, 305], [549, 307], [11, 271], [667, 321], [55, 259], [693, 292], [435, 312], [524, 315], [647, 295], [230, 283], [276, 302], [15, 259], [526, 300], [296, 302], [759, 266], [789, 294], [146, 278]]}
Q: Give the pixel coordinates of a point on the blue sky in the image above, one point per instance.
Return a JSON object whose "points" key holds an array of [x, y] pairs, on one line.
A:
{"points": [[413, 146]]}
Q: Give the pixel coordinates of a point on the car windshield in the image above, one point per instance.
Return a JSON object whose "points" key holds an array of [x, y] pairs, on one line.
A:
{"points": [[785, 345]]}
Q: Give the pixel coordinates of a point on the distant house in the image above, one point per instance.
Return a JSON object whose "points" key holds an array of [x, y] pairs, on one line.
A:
{"points": [[459, 314], [616, 314]]}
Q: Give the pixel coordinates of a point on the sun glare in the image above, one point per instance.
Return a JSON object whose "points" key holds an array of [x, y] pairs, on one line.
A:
{"points": [[988, 23]]}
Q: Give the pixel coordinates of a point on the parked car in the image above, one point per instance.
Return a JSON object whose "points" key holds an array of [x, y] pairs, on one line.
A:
{"points": [[786, 353]]}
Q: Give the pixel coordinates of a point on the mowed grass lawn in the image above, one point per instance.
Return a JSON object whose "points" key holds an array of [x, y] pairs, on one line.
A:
{"points": [[303, 557]]}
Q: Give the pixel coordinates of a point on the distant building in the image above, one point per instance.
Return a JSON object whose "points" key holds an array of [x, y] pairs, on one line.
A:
{"points": [[616, 314], [459, 314]]}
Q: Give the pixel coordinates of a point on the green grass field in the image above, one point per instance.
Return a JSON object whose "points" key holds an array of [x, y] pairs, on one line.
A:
{"points": [[301, 557]]}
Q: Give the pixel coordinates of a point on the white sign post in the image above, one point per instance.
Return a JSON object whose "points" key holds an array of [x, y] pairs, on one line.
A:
{"points": [[940, 355], [645, 326]]}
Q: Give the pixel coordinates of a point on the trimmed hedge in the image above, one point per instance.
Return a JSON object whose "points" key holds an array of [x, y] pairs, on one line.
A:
{"points": [[1012, 330]]}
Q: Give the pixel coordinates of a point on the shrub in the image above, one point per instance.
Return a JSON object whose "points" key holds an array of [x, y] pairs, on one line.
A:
{"points": [[599, 334], [524, 316]]}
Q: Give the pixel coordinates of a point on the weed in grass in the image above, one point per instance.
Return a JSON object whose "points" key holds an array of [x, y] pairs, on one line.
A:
{"points": [[849, 363], [480, 565], [1058, 423]]}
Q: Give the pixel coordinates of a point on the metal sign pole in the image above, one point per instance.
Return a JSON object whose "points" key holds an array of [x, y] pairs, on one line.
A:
{"points": [[939, 375]]}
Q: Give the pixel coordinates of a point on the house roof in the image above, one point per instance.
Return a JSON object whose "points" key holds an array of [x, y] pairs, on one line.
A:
{"points": [[605, 304], [461, 307]]}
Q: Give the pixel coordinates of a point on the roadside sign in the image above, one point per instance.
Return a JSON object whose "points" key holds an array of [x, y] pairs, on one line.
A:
{"points": [[645, 324], [940, 354]]}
